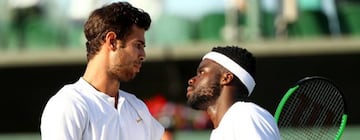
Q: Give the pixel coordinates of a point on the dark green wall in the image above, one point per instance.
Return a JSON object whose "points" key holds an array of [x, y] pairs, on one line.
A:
{"points": [[25, 90]]}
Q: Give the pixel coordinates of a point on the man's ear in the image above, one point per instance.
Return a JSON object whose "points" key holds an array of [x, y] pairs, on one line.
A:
{"points": [[110, 38], [226, 78]]}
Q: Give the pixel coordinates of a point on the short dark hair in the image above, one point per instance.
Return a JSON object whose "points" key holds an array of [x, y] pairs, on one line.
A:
{"points": [[118, 17], [242, 57]]}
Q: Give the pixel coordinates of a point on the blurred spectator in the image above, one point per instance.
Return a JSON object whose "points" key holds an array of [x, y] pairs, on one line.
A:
{"points": [[233, 10], [288, 15], [269, 11], [330, 10], [23, 11], [4, 23], [55, 10]]}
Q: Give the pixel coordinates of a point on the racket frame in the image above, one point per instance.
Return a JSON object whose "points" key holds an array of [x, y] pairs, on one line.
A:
{"points": [[295, 87]]}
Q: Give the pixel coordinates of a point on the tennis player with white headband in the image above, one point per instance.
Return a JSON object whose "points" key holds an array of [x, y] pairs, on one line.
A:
{"points": [[224, 80], [233, 67]]}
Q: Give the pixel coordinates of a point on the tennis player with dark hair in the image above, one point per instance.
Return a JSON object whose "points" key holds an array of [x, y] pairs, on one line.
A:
{"points": [[94, 108], [224, 80]]}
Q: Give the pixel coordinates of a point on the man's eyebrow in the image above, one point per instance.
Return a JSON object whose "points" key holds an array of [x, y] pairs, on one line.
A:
{"points": [[200, 68], [140, 41]]}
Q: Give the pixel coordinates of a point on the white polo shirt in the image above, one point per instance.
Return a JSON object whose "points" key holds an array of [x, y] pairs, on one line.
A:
{"points": [[80, 112], [246, 121]]}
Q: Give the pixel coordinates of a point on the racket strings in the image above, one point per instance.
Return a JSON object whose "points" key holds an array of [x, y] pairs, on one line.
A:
{"points": [[330, 102], [314, 112]]}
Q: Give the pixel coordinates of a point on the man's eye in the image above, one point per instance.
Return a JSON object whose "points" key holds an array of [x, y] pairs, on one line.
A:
{"points": [[200, 72], [139, 45]]}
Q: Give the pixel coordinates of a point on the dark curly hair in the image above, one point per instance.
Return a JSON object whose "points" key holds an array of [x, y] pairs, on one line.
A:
{"points": [[118, 17], [242, 57]]}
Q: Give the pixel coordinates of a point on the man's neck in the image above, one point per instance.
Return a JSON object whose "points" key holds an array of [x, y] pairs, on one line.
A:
{"points": [[218, 110]]}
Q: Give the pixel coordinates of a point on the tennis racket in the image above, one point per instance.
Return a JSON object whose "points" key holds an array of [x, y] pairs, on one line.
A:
{"points": [[313, 109]]}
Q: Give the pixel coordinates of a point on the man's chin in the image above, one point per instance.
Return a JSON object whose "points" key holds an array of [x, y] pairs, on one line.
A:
{"points": [[195, 105]]}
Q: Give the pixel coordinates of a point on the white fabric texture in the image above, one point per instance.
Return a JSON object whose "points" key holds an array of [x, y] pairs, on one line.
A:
{"points": [[246, 121], [233, 67], [80, 112]]}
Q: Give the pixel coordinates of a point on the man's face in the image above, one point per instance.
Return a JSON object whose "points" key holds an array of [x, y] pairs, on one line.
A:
{"points": [[126, 60], [204, 88]]}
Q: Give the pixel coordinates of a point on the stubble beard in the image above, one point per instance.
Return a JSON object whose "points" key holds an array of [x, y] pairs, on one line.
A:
{"points": [[123, 73], [204, 97]]}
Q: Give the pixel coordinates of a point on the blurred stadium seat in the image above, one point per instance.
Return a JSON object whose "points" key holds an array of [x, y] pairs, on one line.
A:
{"points": [[75, 36], [350, 12], [169, 29], [311, 22], [210, 27], [39, 34], [267, 24]]}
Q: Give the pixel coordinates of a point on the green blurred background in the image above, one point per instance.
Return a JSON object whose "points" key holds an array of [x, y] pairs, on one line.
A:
{"points": [[42, 47]]}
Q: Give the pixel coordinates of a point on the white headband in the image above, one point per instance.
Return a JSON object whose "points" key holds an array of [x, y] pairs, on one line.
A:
{"points": [[233, 67]]}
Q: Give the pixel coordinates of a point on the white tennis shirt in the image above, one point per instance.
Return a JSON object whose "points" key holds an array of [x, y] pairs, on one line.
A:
{"points": [[80, 112], [246, 121]]}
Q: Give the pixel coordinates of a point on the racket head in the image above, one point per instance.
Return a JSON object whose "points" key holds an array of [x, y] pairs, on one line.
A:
{"points": [[314, 108]]}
